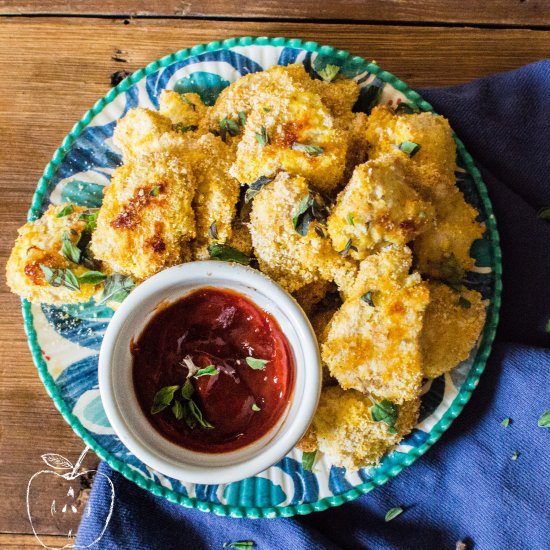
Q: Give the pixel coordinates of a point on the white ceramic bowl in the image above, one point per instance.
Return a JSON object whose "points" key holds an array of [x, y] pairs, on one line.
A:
{"points": [[120, 401]]}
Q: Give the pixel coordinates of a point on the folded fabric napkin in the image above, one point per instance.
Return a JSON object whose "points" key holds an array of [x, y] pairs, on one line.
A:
{"points": [[468, 487]]}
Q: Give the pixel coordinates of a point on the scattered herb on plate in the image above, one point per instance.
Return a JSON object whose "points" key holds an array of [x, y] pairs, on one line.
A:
{"points": [[240, 544], [163, 398], [506, 422], [544, 420], [328, 72], [311, 150], [226, 253], [255, 407], [60, 277], [345, 251], [65, 211], [116, 288], [213, 230], [544, 213], [409, 148], [515, 455], [308, 460], [255, 187], [68, 249], [210, 370], [367, 298], [387, 412], [261, 137]]}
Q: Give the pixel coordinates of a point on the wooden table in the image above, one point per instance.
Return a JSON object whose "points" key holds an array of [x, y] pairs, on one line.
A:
{"points": [[55, 62]]}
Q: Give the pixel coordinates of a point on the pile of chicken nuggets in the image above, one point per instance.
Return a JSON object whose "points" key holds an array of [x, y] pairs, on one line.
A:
{"points": [[358, 216]]}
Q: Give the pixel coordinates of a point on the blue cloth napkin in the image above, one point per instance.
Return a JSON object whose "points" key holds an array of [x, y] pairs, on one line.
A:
{"points": [[467, 487]]}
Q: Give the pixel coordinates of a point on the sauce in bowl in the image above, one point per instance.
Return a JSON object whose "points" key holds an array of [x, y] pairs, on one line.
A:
{"points": [[212, 371]]}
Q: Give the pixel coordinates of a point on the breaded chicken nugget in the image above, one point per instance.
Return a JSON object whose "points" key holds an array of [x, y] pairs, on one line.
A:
{"points": [[347, 433], [45, 263], [434, 163], [378, 206], [184, 110], [357, 143], [146, 216], [311, 294], [452, 324], [281, 209], [372, 343], [137, 130], [443, 250], [297, 135]]}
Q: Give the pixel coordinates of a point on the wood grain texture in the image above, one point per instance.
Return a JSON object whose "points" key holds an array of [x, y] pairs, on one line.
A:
{"points": [[53, 69], [493, 12], [26, 542]]}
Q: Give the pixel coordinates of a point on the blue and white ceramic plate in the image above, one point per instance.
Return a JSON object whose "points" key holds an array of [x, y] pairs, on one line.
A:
{"points": [[65, 340]]}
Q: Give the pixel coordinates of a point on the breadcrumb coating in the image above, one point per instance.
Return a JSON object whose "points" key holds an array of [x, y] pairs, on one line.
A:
{"points": [[372, 343], [146, 216], [378, 206], [39, 243], [452, 325], [291, 259], [184, 110], [445, 245], [345, 431]]}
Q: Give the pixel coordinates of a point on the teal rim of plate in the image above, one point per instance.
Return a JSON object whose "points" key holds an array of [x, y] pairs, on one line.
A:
{"points": [[379, 478]]}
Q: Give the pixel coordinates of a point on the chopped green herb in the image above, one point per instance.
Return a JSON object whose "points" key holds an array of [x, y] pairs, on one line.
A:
{"points": [[230, 127], [544, 420], [506, 422], [188, 390], [311, 150], [515, 455], [465, 303], [261, 137], [350, 219], [182, 128], [188, 416], [312, 207], [548, 326], [210, 370], [367, 298], [155, 191], [255, 187], [163, 398], [68, 249], [255, 407], [452, 272], [392, 513], [213, 230], [409, 147], [267, 109], [65, 211], [422, 215], [227, 253], [406, 108], [60, 277], [256, 364], [177, 409], [543, 213], [345, 251], [116, 288], [240, 544], [328, 72], [92, 278], [90, 217], [308, 460], [319, 230], [188, 101], [197, 413], [387, 412], [242, 118]]}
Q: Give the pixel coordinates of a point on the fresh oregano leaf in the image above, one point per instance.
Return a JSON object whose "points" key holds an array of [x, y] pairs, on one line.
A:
{"points": [[227, 253], [182, 128], [367, 298], [311, 150], [256, 364], [409, 148], [255, 187], [210, 370], [242, 118], [392, 513], [90, 217], [544, 420], [65, 211], [68, 249], [188, 390], [163, 398], [506, 422], [261, 137], [328, 72], [177, 409], [91, 278], [255, 407], [345, 251], [464, 303], [387, 412], [60, 277], [240, 544], [213, 230], [308, 460], [116, 288], [197, 413]]}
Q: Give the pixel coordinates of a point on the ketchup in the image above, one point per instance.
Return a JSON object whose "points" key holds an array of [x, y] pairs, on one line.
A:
{"points": [[215, 330]]}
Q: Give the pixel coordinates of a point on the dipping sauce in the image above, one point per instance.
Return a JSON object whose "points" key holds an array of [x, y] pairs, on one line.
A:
{"points": [[220, 367]]}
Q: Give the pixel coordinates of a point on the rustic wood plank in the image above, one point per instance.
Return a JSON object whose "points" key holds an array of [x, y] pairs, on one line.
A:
{"points": [[53, 69], [24, 542], [493, 12]]}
